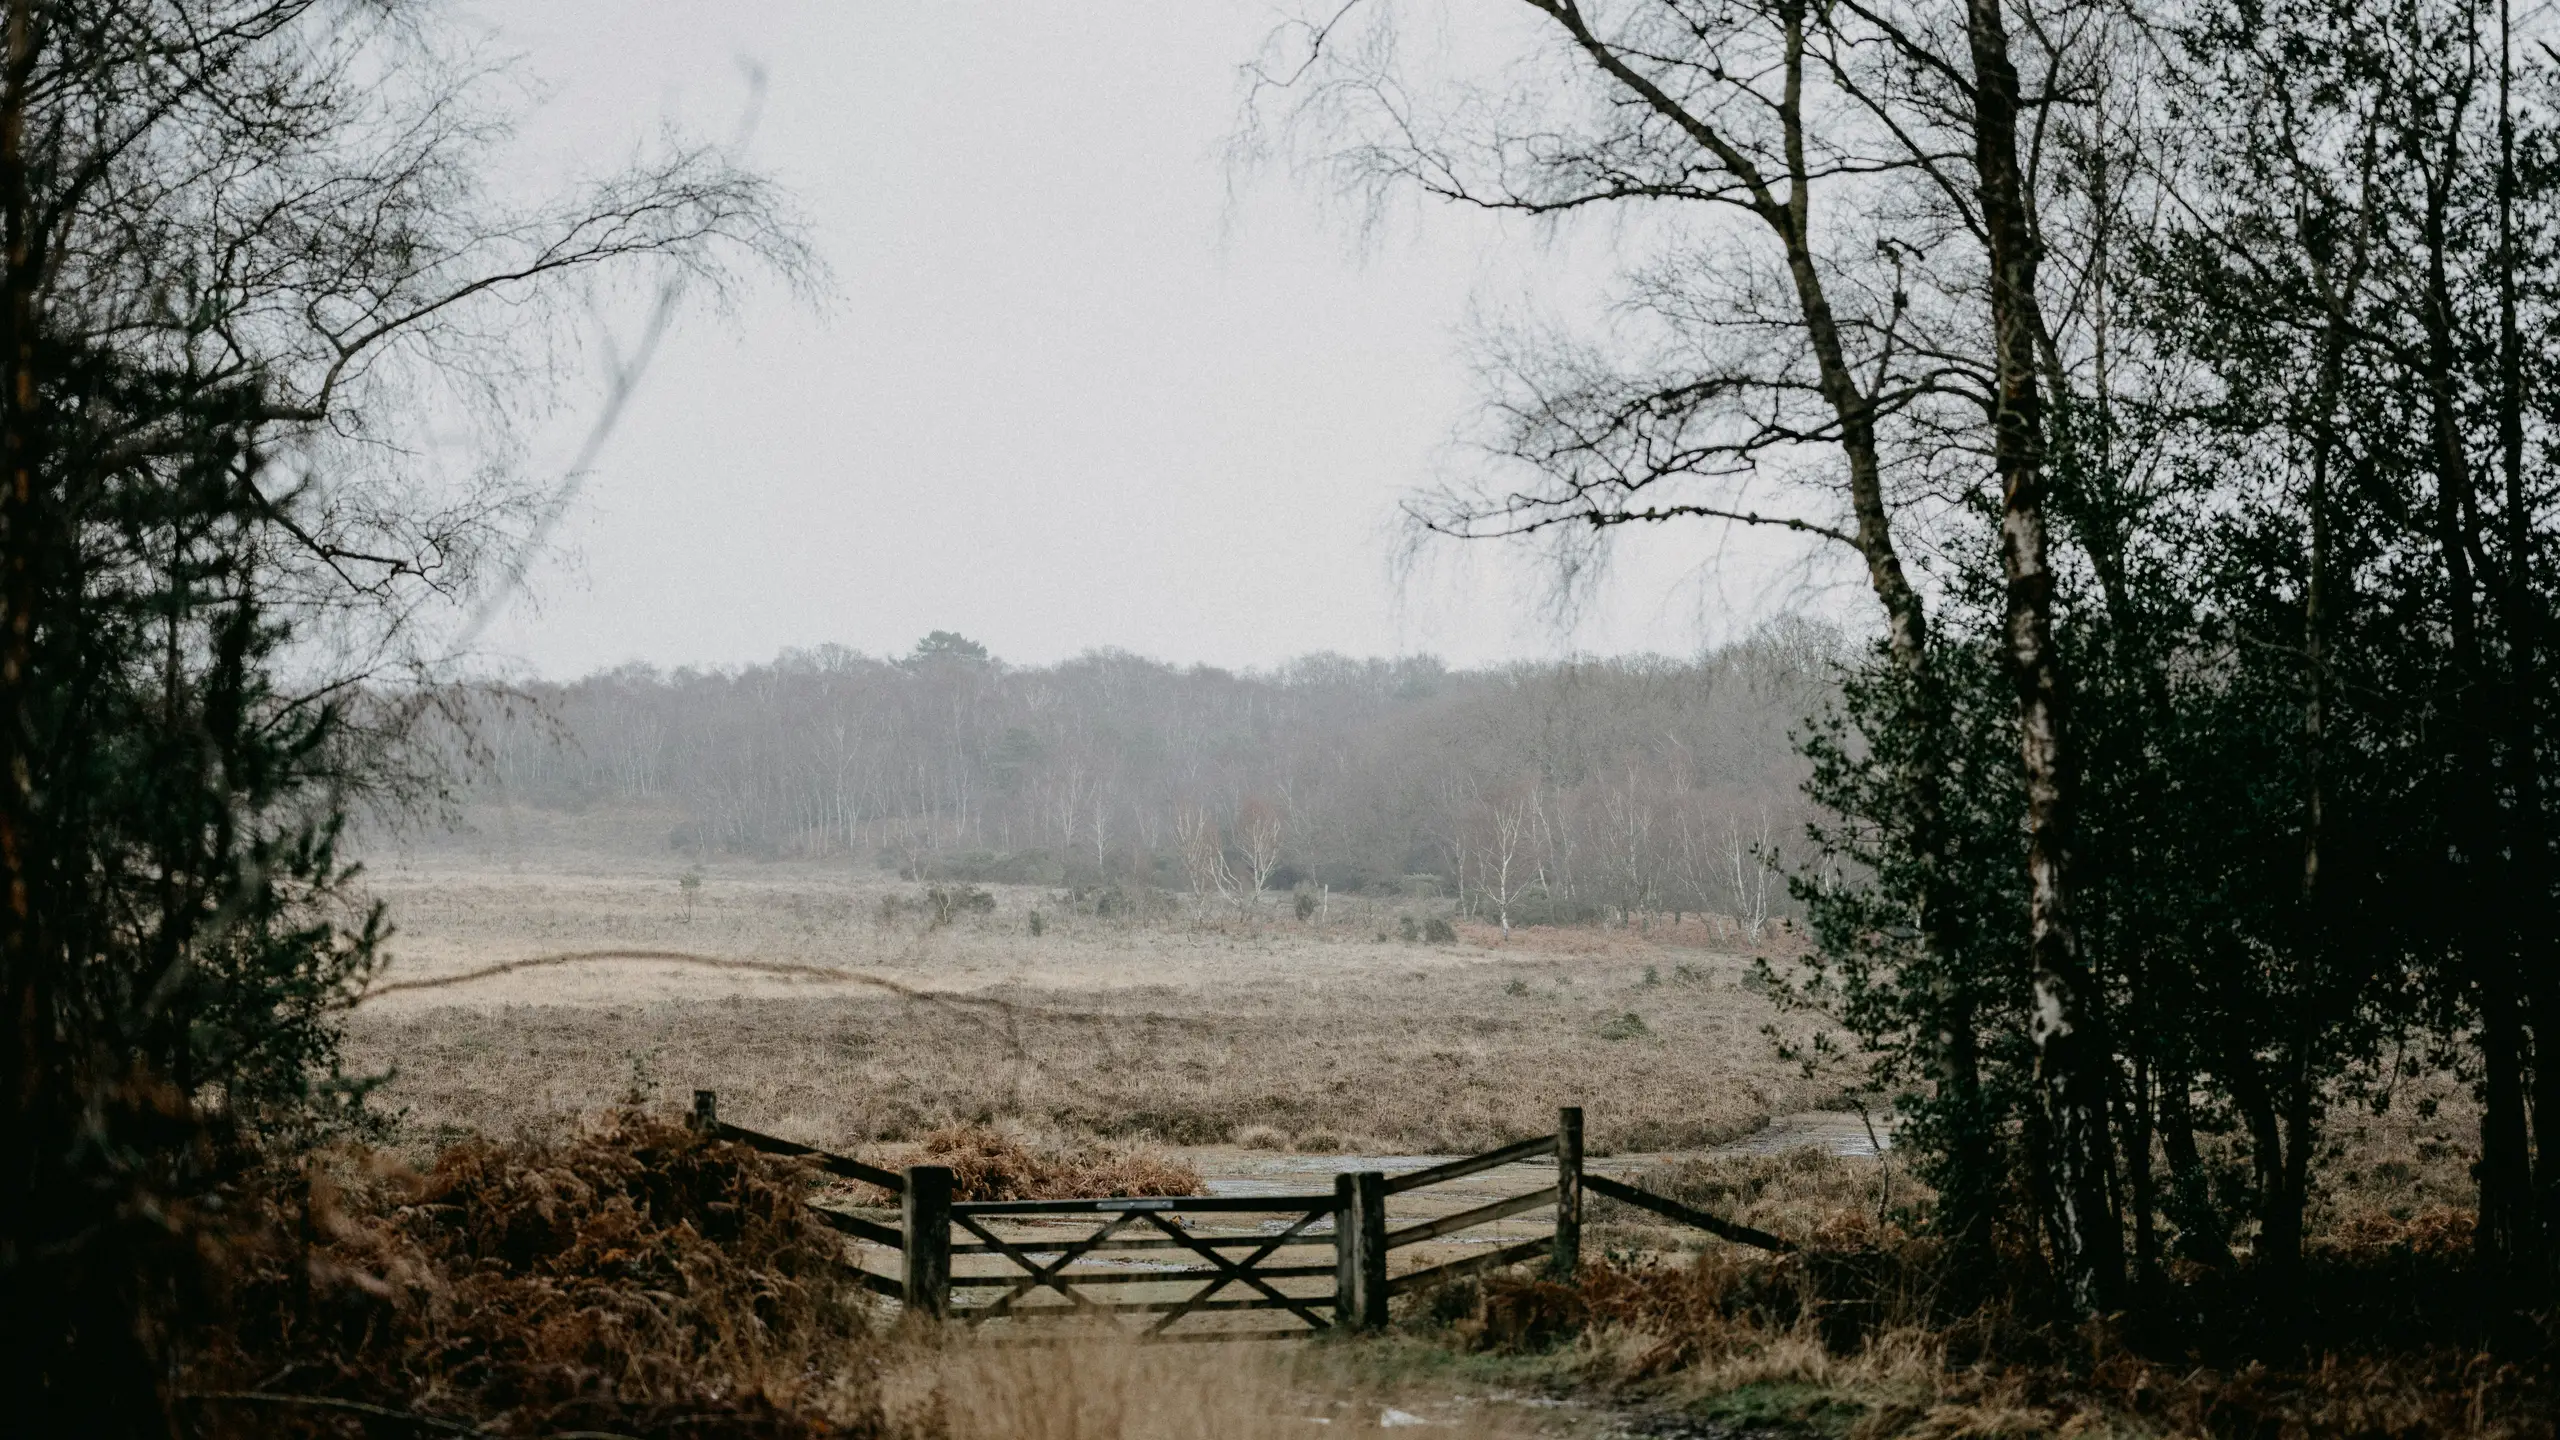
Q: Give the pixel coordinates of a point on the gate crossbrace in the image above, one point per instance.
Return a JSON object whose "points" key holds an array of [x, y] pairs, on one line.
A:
{"points": [[1232, 1271], [1040, 1274]]}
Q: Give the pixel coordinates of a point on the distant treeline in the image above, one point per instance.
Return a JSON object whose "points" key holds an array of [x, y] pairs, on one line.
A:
{"points": [[1562, 790]]}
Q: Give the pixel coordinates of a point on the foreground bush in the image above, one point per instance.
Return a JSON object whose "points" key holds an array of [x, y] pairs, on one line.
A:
{"points": [[633, 1279], [1863, 1331]]}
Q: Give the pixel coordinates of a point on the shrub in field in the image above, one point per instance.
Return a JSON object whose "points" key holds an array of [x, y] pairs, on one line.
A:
{"points": [[1539, 908], [991, 867], [1437, 931], [1133, 901], [945, 903], [1629, 1026]]}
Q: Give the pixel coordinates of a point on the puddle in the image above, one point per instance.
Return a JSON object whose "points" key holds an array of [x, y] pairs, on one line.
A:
{"points": [[1841, 1132], [1309, 1174]]}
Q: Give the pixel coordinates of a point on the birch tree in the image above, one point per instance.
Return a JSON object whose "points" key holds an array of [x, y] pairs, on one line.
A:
{"points": [[1259, 829], [1806, 305], [1749, 868], [1508, 835]]}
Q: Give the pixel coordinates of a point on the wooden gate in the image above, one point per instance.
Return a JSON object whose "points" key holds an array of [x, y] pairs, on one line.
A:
{"points": [[1284, 1265], [1287, 1266]]}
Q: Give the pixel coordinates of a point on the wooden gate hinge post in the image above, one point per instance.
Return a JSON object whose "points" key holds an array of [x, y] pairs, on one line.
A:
{"points": [[1360, 1250], [1568, 1252], [926, 1240]]}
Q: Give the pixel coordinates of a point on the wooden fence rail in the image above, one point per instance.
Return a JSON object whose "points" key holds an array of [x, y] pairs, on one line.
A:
{"points": [[1473, 1164], [1351, 1222], [1696, 1219], [1470, 1219], [706, 1118]]}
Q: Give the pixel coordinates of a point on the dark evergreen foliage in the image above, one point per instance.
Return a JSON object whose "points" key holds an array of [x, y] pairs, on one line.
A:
{"points": [[2181, 382], [245, 255]]}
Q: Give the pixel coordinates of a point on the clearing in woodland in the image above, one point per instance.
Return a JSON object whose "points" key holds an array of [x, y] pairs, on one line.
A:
{"points": [[841, 1008]]}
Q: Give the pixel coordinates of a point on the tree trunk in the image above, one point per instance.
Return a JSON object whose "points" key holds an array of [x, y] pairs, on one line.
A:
{"points": [[24, 559], [2144, 1181], [31, 1068], [2528, 899], [2279, 1113], [2507, 1236], [2281, 1122], [1970, 1198], [2070, 1061], [82, 1328], [2507, 1230], [2190, 1185]]}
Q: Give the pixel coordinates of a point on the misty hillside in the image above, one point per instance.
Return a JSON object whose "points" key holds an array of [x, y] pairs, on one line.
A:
{"points": [[1556, 790]]}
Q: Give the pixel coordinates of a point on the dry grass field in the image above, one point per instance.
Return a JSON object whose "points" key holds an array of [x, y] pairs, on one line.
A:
{"points": [[548, 968], [876, 1024], [827, 1007]]}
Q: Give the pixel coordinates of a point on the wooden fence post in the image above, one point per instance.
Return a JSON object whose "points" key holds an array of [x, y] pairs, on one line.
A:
{"points": [[925, 1240], [706, 1112], [1346, 1251], [1360, 1250], [1568, 1254]]}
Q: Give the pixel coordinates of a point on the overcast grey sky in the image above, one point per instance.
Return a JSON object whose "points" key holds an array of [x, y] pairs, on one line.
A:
{"points": [[1073, 389]]}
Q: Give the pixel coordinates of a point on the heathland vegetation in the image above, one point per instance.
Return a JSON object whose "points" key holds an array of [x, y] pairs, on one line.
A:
{"points": [[2176, 859]]}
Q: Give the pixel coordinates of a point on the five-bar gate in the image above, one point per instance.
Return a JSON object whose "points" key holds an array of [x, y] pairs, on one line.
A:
{"points": [[1292, 1264]]}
